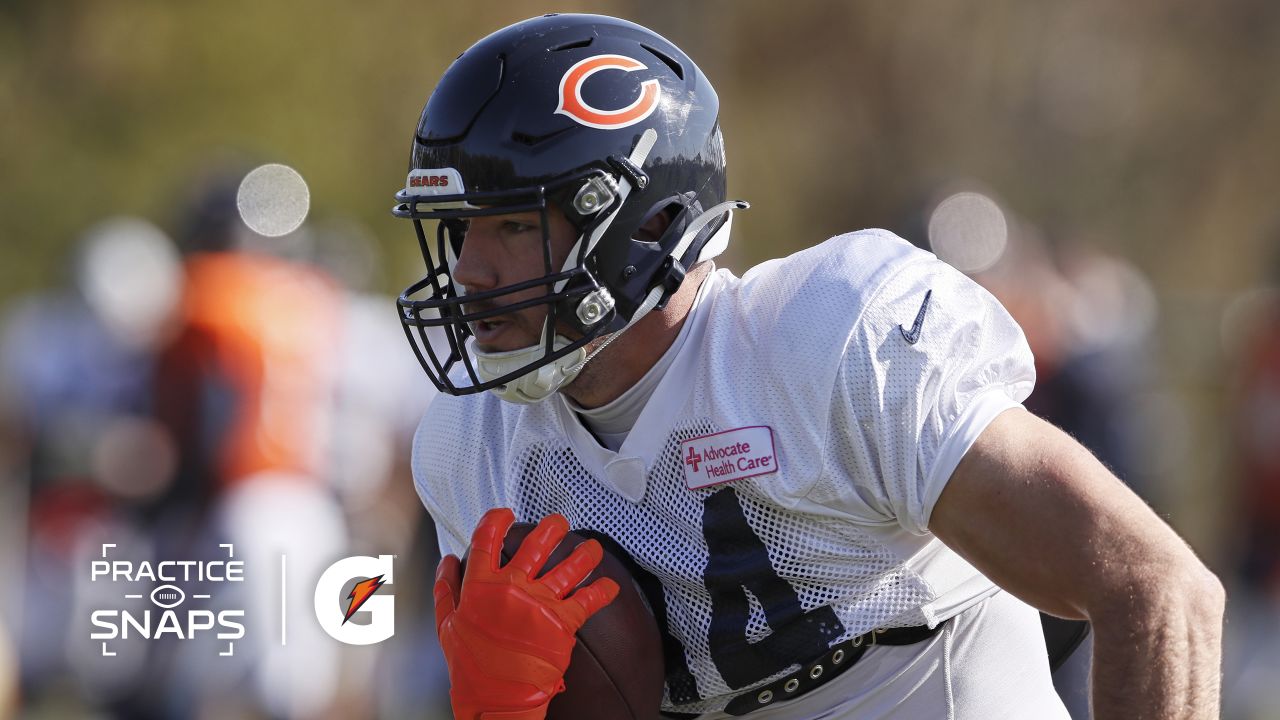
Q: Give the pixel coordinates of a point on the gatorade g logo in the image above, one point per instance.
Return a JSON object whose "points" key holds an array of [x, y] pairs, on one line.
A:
{"points": [[572, 104], [334, 609]]}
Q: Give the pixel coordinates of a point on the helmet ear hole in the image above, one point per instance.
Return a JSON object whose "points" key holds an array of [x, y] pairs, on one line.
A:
{"points": [[667, 216], [655, 224]]}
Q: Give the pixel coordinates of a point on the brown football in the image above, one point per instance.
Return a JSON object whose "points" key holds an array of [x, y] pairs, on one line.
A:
{"points": [[616, 670]]}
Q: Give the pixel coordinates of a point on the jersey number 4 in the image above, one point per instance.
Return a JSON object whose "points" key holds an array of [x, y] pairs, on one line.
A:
{"points": [[739, 564]]}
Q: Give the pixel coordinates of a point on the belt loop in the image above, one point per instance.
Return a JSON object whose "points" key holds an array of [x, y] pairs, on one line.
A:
{"points": [[818, 672]]}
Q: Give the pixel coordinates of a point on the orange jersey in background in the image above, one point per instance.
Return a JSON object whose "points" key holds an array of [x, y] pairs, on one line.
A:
{"points": [[250, 380]]}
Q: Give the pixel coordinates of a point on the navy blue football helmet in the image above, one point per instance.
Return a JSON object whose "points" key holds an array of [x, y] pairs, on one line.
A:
{"points": [[605, 120]]}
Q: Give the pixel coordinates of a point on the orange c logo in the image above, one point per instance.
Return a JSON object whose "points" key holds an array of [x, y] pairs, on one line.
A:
{"points": [[572, 104]]}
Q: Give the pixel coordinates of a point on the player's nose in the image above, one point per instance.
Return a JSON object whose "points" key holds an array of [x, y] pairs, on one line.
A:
{"points": [[476, 269]]}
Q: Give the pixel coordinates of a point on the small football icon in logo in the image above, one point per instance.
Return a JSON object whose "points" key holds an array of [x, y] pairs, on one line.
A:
{"points": [[168, 596]]}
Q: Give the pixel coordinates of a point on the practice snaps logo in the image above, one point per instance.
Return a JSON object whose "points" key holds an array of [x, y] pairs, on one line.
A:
{"points": [[333, 614], [162, 584]]}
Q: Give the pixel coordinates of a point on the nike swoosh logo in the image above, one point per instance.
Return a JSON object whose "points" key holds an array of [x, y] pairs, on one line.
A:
{"points": [[913, 336]]}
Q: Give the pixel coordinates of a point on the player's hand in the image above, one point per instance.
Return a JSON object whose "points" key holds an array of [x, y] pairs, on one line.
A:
{"points": [[507, 636]]}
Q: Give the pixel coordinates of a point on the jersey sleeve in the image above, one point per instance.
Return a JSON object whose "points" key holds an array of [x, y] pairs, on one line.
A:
{"points": [[449, 545], [430, 464], [933, 359]]}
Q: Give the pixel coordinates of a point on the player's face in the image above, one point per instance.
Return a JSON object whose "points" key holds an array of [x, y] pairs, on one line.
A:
{"points": [[502, 250]]}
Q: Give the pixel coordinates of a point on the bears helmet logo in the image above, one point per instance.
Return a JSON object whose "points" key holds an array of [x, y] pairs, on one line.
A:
{"points": [[572, 104]]}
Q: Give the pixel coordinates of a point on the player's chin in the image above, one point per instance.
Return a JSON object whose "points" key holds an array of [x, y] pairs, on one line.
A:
{"points": [[498, 335]]}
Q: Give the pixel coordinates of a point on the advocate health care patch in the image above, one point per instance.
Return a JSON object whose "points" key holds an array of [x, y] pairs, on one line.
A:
{"points": [[729, 455]]}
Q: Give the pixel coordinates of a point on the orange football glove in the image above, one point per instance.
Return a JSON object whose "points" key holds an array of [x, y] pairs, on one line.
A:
{"points": [[507, 634]]}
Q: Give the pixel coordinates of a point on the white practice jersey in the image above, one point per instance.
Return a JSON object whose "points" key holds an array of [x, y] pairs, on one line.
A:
{"points": [[779, 481]]}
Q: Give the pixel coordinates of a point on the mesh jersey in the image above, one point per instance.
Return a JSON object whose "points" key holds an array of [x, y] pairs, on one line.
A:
{"points": [[763, 573]]}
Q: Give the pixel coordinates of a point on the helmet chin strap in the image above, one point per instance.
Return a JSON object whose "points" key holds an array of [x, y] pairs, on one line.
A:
{"points": [[537, 384]]}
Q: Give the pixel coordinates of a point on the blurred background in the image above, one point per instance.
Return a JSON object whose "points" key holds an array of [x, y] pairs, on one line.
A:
{"points": [[190, 353]]}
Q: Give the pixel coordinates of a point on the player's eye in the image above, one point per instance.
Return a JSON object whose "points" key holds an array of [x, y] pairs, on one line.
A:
{"points": [[514, 227]]}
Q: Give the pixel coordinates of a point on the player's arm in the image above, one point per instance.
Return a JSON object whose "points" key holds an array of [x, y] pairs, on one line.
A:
{"points": [[1040, 516]]}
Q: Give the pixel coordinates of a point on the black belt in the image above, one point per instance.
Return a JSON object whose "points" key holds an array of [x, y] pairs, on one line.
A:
{"points": [[836, 660]]}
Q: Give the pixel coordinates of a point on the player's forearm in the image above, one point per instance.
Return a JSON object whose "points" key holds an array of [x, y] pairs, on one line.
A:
{"points": [[1158, 652]]}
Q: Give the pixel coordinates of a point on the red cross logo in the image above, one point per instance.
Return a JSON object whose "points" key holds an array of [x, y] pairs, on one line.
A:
{"points": [[693, 458]]}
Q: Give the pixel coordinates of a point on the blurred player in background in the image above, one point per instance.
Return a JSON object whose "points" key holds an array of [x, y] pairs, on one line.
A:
{"points": [[289, 433], [87, 461], [826, 454], [165, 403]]}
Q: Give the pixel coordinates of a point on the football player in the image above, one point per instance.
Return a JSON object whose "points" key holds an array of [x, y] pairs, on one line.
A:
{"points": [[823, 466]]}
